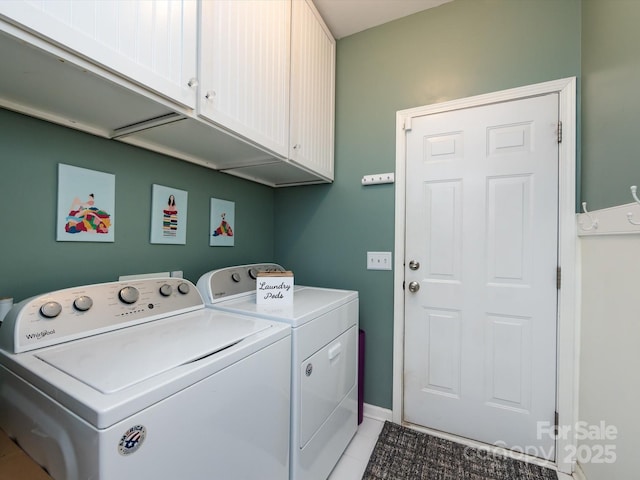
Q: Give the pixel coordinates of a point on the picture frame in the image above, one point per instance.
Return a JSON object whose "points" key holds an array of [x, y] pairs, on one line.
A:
{"points": [[222, 223], [86, 205], [169, 208]]}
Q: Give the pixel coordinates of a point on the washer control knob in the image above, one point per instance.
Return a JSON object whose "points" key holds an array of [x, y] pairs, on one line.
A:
{"points": [[51, 309], [183, 288], [129, 295], [83, 303], [235, 277], [253, 273], [166, 290]]}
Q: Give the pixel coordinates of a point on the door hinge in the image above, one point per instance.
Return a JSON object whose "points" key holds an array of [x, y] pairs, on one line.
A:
{"points": [[560, 132], [406, 124], [556, 421], [558, 277]]}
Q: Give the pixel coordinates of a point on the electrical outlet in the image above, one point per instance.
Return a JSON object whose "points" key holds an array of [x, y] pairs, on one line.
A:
{"points": [[378, 260]]}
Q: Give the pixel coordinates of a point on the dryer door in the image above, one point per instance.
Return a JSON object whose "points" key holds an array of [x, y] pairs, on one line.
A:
{"points": [[326, 377]]}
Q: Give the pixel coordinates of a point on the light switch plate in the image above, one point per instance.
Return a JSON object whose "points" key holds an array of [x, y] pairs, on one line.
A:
{"points": [[378, 260]]}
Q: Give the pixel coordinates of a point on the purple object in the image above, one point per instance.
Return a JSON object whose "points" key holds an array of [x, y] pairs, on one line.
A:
{"points": [[361, 339]]}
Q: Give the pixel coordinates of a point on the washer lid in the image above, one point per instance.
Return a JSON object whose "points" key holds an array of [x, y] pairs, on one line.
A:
{"points": [[117, 360]]}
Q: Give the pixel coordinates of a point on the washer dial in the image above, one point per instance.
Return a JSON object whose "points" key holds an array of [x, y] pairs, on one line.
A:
{"points": [[83, 303], [129, 295], [51, 309], [166, 290]]}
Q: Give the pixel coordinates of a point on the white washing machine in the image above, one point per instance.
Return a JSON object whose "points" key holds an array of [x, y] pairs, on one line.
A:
{"points": [[139, 380], [324, 393]]}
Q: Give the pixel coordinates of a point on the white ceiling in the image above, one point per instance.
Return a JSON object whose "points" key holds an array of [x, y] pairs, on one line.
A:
{"points": [[345, 17]]}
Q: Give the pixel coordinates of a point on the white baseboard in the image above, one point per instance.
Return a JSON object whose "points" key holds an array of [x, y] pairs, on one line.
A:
{"points": [[578, 473], [377, 413]]}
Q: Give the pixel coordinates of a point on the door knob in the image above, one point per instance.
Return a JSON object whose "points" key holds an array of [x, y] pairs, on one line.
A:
{"points": [[413, 265], [414, 287]]}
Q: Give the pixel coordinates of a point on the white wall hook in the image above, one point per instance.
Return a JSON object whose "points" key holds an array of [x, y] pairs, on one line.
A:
{"points": [[593, 221], [634, 190], [378, 178]]}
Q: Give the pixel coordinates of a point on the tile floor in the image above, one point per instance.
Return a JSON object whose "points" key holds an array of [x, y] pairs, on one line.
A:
{"points": [[355, 458]]}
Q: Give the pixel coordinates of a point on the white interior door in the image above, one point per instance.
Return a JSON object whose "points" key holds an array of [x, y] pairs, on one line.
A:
{"points": [[482, 231]]}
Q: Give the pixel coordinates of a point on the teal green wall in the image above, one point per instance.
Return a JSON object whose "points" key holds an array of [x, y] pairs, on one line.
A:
{"points": [[32, 262], [462, 48], [459, 49], [610, 101]]}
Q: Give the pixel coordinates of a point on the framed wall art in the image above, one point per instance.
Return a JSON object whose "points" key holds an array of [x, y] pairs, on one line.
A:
{"points": [[222, 223], [168, 215], [86, 205]]}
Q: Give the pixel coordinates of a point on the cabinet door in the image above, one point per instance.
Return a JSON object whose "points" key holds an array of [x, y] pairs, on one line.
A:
{"points": [[152, 43], [313, 51], [245, 69]]}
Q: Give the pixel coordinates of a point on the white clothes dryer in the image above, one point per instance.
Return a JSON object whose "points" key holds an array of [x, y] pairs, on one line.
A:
{"points": [[324, 393], [139, 380]]}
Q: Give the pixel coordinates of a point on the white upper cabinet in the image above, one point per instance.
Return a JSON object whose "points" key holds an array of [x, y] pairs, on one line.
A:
{"points": [[313, 53], [245, 52], [242, 86], [152, 43]]}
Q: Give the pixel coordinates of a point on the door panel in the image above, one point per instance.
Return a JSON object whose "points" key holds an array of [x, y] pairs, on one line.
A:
{"points": [[443, 353], [508, 221], [508, 362], [444, 220], [482, 213]]}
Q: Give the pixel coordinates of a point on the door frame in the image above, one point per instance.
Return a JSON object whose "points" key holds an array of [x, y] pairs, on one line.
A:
{"points": [[568, 295]]}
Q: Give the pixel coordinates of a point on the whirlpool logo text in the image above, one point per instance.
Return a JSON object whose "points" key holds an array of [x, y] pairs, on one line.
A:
{"points": [[39, 335]]}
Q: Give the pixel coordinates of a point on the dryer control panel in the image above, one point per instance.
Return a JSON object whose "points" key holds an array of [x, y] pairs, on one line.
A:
{"points": [[228, 282], [80, 312]]}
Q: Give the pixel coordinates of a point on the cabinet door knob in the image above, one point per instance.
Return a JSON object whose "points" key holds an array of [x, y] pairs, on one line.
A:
{"points": [[210, 95], [193, 82]]}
